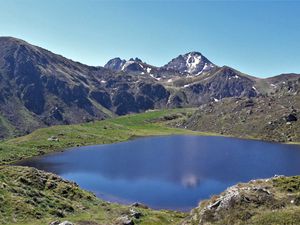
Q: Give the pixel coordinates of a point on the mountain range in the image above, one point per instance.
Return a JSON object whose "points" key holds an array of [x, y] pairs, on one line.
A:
{"points": [[39, 88]]}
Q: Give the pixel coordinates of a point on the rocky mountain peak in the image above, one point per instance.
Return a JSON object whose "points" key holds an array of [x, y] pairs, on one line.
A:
{"points": [[115, 64], [12, 40], [136, 60], [193, 63], [131, 65]]}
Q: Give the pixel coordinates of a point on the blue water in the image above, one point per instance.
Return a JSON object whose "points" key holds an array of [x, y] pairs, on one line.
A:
{"points": [[170, 172]]}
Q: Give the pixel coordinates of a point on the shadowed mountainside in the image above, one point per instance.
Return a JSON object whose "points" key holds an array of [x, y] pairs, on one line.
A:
{"points": [[39, 88]]}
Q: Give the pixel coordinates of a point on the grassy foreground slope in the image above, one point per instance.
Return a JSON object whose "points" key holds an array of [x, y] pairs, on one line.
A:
{"points": [[274, 201], [29, 196], [119, 129], [32, 197]]}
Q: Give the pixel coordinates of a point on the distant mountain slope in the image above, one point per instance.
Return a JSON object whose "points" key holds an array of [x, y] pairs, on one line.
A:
{"points": [[39, 88], [138, 67], [193, 63], [189, 64], [220, 83], [273, 117]]}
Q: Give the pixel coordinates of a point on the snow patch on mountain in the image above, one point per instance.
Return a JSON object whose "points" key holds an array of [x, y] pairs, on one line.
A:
{"points": [[192, 62]]}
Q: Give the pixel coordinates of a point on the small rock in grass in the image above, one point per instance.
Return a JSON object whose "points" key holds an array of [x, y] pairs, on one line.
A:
{"points": [[135, 213], [53, 138], [125, 220], [66, 223], [139, 205], [55, 223]]}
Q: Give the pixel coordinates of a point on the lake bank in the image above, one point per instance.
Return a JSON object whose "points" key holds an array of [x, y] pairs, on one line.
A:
{"points": [[100, 132], [152, 170], [58, 138]]}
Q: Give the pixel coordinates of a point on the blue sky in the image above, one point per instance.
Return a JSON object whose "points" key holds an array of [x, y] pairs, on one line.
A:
{"points": [[261, 38]]}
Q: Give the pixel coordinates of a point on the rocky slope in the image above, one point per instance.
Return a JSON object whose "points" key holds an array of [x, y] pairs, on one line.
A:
{"points": [[189, 64], [192, 63], [259, 202], [39, 88], [274, 116]]}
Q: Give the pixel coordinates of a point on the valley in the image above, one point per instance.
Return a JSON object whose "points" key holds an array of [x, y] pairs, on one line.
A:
{"points": [[40, 88], [21, 183], [50, 103]]}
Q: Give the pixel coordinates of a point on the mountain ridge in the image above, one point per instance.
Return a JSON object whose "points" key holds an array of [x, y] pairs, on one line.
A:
{"points": [[39, 88]]}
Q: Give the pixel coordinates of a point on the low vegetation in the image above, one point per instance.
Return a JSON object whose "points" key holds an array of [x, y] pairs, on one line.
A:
{"points": [[32, 197], [119, 129], [273, 201], [271, 118], [29, 196]]}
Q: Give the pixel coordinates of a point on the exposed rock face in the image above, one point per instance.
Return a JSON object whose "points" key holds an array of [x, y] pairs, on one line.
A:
{"points": [[124, 220], [39, 88], [131, 66], [135, 214], [256, 202], [292, 117], [61, 223], [193, 63], [271, 118], [224, 82], [139, 205], [115, 64], [233, 197]]}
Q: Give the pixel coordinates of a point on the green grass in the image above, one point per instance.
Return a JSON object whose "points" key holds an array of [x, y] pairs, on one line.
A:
{"points": [[6, 125], [100, 132], [277, 204], [29, 196]]}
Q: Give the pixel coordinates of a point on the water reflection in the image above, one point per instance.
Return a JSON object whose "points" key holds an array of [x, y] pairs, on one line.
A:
{"points": [[154, 170]]}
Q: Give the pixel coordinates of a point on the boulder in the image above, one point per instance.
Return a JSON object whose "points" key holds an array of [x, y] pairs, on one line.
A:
{"points": [[135, 213], [61, 223], [53, 138], [124, 220], [291, 118], [54, 223], [66, 223], [139, 205]]}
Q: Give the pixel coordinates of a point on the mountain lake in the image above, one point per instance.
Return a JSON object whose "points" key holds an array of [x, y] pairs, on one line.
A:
{"points": [[169, 172]]}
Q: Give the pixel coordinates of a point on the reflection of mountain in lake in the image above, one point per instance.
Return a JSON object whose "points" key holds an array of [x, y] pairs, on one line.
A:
{"points": [[154, 170]]}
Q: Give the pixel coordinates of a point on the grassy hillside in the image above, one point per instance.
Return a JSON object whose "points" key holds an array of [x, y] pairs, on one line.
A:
{"points": [[29, 196], [123, 128], [273, 201], [273, 118], [32, 197]]}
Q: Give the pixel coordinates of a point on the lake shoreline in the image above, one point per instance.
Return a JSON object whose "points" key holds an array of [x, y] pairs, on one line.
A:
{"points": [[170, 153], [132, 128], [36, 144]]}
